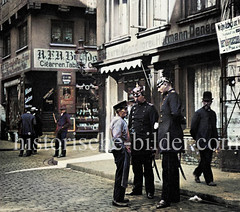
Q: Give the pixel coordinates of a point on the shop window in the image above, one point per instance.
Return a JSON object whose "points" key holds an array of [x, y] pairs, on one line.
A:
{"points": [[118, 18], [153, 13], [23, 35], [194, 6], [87, 109], [6, 45], [62, 32]]}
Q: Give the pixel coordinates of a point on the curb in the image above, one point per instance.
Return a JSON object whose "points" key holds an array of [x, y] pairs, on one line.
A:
{"points": [[205, 197]]}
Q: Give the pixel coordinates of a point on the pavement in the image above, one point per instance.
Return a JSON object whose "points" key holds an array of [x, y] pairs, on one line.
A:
{"points": [[86, 157]]}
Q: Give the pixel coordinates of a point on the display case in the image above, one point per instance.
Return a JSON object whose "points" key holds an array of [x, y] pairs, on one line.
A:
{"points": [[87, 116]]}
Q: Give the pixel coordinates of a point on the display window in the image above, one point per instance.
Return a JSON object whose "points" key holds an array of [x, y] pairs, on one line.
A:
{"points": [[87, 119]]}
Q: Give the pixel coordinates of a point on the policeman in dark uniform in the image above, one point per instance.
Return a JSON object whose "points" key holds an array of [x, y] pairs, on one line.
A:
{"points": [[142, 118], [170, 137]]}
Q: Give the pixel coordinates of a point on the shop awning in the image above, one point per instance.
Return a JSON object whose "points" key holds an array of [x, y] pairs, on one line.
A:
{"points": [[121, 66]]}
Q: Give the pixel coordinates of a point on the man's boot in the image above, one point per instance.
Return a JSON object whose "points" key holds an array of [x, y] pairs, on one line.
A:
{"points": [[56, 153], [63, 153]]}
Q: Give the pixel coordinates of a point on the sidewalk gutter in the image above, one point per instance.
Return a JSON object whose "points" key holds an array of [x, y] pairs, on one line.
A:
{"points": [[89, 167]]}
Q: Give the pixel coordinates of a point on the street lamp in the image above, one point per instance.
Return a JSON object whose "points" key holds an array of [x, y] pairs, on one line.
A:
{"points": [[81, 56]]}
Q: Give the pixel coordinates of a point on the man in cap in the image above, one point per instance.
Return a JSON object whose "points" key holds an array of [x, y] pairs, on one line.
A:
{"points": [[37, 128], [120, 147], [204, 132], [63, 123], [142, 119], [170, 137]]}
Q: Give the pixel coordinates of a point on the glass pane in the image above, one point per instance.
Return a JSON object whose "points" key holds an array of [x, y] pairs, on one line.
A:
{"points": [[67, 34], [56, 33], [210, 3]]}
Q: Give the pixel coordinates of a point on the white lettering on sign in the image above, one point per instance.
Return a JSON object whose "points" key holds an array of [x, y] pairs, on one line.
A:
{"points": [[16, 64], [54, 58]]}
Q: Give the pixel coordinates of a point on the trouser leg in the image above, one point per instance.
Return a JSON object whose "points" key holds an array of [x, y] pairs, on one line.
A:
{"points": [[148, 174], [170, 187], [57, 140], [29, 146], [206, 155], [63, 143], [138, 173], [22, 145], [119, 191]]}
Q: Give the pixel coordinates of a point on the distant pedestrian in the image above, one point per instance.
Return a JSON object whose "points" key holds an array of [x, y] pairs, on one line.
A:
{"points": [[170, 137], [63, 123], [26, 132], [142, 118], [37, 128], [120, 147], [204, 132]]}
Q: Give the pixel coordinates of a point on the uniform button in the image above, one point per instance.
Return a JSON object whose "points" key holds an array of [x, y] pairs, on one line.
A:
{"points": [[144, 111], [160, 115], [132, 116], [160, 121]]}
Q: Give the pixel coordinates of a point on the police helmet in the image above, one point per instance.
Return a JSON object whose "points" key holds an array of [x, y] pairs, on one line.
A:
{"points": [[161, 80], [138, 91]]}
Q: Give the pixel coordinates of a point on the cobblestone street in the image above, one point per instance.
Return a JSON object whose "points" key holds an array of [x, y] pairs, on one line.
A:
{"points": [[69, 190]]}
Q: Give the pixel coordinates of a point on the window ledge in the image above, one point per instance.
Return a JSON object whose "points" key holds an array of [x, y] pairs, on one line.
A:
{"points": [[63, 45], [118, 41], [199, 15], [6, 57], [153, 30], [20, 50]]}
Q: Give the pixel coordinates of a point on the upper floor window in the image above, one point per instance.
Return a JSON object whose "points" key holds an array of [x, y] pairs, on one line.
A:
{"points": [[23, 35], [62, 32], [90, 31], [153, 13], [195, 6], [6, 45], [118, 18]]}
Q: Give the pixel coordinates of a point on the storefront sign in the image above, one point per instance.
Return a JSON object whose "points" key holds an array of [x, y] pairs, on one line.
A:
{"points": [[28, 97], [16, 64], [66, 78], [55, 59], [228, 33]]}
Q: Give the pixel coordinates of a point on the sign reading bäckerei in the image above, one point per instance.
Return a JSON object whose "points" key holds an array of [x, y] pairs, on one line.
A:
{"points": [[228, 33], [55, 58]]}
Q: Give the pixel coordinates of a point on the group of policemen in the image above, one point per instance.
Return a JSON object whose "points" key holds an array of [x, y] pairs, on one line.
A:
{"points": [[148, 133]]}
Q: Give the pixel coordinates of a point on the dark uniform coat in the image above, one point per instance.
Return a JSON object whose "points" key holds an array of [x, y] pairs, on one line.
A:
{"points": [[170, 135], [141, 123], [170, 123]]}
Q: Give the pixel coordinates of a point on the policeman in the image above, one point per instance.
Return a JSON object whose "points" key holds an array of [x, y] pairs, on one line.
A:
{"points": [[170, 137], [142, 118]]}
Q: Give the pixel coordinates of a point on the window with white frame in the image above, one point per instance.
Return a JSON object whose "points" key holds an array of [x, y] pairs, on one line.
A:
{"points": [[153, 13], [194, 6], [118, 18], [62, 32]]}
